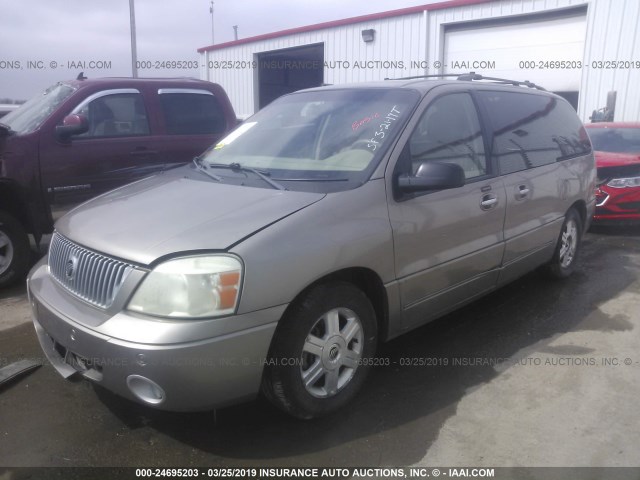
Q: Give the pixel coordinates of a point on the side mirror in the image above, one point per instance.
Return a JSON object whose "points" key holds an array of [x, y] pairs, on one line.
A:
{"points": [[74, 124], [432, 176]]}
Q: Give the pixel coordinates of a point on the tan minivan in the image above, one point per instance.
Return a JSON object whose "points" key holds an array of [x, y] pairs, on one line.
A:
{"points": [[332, 220]]}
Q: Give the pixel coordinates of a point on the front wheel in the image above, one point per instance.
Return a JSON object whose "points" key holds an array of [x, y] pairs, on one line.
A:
{"points": [[564, 258], [14, 250], [321, 352]]}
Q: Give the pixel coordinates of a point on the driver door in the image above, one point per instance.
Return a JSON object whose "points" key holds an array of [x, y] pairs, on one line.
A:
{"points": [[118, 149], [448, 243]]}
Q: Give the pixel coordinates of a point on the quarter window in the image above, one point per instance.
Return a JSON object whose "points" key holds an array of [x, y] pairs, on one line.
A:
{"points": [[192, 114], [449, 131], [531, 130], [116, 115]]}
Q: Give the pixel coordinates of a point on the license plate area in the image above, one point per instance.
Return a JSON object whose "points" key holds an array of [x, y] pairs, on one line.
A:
{"points": [[89, 368]]}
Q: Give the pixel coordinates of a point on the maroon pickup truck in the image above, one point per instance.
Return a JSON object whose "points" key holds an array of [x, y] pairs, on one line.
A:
{"points": [[84, 137]]}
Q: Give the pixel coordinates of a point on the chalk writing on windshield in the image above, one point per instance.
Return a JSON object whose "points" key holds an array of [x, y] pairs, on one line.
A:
{"points": [[388, 120]]}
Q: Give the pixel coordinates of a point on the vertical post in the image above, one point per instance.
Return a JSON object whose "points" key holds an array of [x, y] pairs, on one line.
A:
{"points": [[212, 31], [134, 53], [611, 105], [235, 32]]}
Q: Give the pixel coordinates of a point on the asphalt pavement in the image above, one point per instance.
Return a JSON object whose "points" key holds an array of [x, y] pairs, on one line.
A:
{"points": [[539, 373]]}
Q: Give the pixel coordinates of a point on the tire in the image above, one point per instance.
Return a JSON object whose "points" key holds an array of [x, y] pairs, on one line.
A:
{"points": [[14, 250], [564, 258], [333, 358]]}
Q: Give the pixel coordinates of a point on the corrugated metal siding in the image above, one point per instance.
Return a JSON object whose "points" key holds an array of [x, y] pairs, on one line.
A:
{"points": [[612, 36], [400, 40]]}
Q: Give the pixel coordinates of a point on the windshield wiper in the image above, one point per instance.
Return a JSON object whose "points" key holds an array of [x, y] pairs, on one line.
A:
{"points": [[197, 161], [313, 179], [239, 168]]}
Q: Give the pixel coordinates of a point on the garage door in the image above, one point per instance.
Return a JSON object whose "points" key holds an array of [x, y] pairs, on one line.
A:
{"points": [[287, 70], [501, 50]]}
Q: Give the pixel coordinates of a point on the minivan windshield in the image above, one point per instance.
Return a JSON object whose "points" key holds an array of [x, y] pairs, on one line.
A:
{"points": [[31, 114], [322, 140]]}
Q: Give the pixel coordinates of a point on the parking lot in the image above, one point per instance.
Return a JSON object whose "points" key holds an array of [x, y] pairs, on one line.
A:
{"points": [[539, 373]]}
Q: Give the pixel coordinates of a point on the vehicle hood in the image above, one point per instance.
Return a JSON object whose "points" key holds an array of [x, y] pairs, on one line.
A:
{"points": [[171, 213], [611, 159]]}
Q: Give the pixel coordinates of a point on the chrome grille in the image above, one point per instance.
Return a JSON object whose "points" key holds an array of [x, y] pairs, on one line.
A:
{"points": [[91, 276]]}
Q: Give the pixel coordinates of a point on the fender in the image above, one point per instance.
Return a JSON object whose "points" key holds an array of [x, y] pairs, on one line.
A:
{"points": [[28, 211]]}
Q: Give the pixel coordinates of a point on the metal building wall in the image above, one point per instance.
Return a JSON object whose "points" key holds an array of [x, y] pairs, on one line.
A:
{"points": [[417, 40], [399, 39], [612, 58], [238, 81]]}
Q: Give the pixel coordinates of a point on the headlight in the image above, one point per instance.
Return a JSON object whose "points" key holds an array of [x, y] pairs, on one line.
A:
{"points": [[624, 182], [190, 287]]}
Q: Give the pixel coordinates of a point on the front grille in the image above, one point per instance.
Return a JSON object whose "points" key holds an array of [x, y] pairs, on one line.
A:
{"points": [[93, 277], [629, 205]]}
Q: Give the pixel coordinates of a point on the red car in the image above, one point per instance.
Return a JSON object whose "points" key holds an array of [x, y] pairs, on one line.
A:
{"points": [[617, 152]]}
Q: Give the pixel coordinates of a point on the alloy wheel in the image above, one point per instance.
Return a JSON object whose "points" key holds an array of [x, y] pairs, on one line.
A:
{"points": [[332, 352], [569, 243], [6, 252]]}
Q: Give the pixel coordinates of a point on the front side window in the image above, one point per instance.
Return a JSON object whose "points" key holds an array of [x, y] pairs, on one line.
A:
{"points": [[449, 131], [325, 140], [531, 130], [116, 115], [192, 114]]}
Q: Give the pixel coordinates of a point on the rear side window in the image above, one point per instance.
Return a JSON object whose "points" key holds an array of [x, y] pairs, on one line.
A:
{"points": [[532, 130], [189, 113]]}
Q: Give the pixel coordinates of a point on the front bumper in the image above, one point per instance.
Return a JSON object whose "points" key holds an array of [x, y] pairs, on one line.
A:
{"points": [[156, 362], [617, 205]]}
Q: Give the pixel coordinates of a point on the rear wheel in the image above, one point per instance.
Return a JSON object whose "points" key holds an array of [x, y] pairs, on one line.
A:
{"points": [[321, 350], [564, 259], [14, 250]]}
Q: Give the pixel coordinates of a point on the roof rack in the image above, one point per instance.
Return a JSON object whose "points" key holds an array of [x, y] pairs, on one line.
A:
{"points": [[471, 76], [475, 76], [426, 76]]}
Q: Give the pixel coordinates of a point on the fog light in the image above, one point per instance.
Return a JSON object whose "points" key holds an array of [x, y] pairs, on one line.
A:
{"points": [[146, 390]]}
